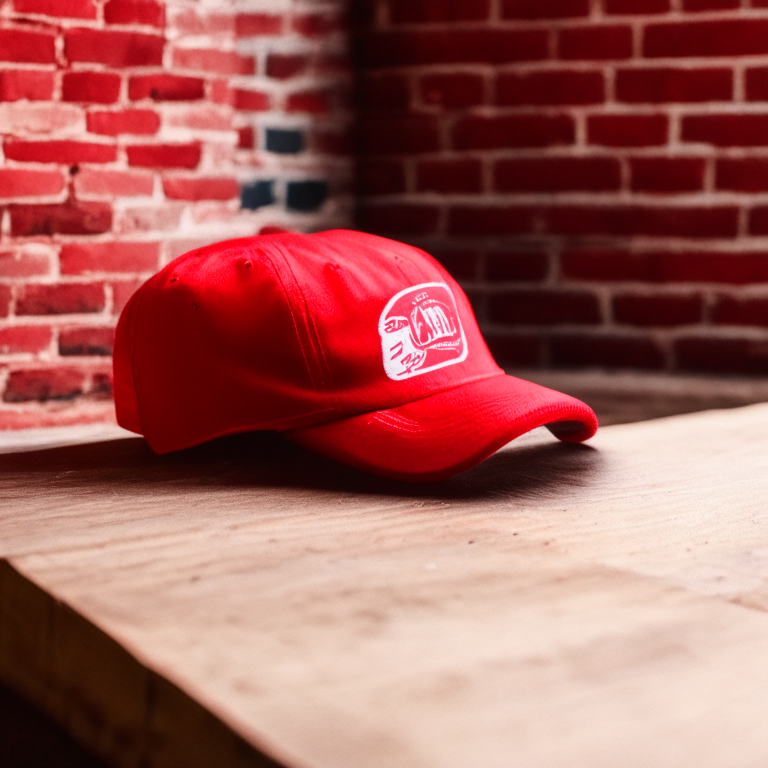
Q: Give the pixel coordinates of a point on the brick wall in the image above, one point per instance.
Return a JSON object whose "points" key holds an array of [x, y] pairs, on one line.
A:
{"points": [[133, 131], [595, 172]]}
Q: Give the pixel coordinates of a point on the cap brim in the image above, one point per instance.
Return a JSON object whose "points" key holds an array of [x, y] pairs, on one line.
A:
{"points": [[444, 434]]}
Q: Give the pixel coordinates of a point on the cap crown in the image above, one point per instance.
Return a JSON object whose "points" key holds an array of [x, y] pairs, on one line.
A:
{"points": [[288, 330]]}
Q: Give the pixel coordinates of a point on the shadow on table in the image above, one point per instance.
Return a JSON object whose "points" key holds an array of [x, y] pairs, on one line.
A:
{"points": [[264, 459]]}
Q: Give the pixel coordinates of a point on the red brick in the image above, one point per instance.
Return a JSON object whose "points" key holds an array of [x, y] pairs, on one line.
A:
{"points": [[738, 268], [71, 9], [668, 84], [166, 87], [317, 24], [23, 45], [550, 87], [246, 138], [661, 310], [181, 188], [449, 176], [44, 384], [380, 177], [121, 294], [86, 341], [729, 355], [190, 22], [20, 182], [758, 220], [62, 219], [543, 307], [727, 130], [23, 119], [212, 60], [283, 66], [454, 90], [515, 350], [699, 222], [5, 300], [428, 11], [22, 264], [88, 258], [756, 82], [60, 299], [90, 181], [101, 385], [399, 219], [116, 49], [557, 174], [164, 155], [315, 102], [490, 46], [710, 5], [627, 130], [220, 92], [730, 310], [135, 121], [96, 87], [17, 84], [605, 351], [513, 266], [59, 151], [723, 37], [252, 24], [486, 221], [667, 174], [24, 338], [595, 42], [632, 7], [383, 93], [205, 117], [535, 9], [476, 132], [135, 12], [404, 135], [251, 101], [742, 174]]}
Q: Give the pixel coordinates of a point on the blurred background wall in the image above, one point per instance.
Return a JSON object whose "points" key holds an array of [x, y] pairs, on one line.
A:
{"points": [[594, 172], [133, 131]]}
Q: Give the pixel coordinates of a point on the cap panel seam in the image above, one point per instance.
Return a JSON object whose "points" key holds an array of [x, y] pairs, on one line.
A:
{"points": [[288, 301], [312, 334]]}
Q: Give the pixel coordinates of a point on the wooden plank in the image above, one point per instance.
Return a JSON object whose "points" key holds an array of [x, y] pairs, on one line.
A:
{"points": [[593, 605]]}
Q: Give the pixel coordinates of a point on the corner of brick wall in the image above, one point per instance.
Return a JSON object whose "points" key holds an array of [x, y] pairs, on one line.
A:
{"points": [[133, 131], [594, 172]]}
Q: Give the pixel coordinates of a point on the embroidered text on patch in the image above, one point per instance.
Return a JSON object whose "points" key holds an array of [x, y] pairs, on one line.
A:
{"points": [[420, 331]]}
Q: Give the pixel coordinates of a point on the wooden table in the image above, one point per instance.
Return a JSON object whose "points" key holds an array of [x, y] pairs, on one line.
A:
{"points": [[246, 602]]}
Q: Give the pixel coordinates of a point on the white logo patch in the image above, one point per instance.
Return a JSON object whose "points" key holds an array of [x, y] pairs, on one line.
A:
{"points": [[420, 331]]}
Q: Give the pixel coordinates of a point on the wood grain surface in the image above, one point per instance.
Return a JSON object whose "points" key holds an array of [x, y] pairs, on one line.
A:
{"points": [[247, 602]]}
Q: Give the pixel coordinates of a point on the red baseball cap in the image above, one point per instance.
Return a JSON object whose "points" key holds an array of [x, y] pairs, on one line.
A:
{"points": [[357, 347]]}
